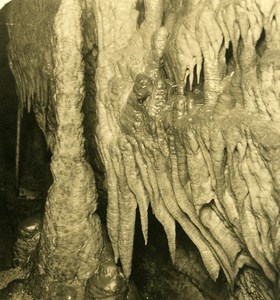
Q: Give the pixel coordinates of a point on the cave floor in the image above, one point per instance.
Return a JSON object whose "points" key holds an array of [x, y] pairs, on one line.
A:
{"points": [[14, 208]]}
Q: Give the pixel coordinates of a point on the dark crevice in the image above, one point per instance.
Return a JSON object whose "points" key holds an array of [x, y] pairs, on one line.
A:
{"points": [[229, 53], [140, 6], [261, 44], [33, 141], [90, 53]]}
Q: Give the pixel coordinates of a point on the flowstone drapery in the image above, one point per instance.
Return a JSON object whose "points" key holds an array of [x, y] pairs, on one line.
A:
{"points": [[186, 99], [208, 159]]}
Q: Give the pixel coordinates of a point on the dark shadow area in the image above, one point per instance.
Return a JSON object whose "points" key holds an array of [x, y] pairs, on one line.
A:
{"points": [[261, 44], [230, 62], [157, 278], [8, 112], [140, 6], [34, 180], [8, 102], [229, 53], [34, 160]]}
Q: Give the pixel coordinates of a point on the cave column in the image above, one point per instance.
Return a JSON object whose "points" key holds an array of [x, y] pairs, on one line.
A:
{"points": [[71, 239]]}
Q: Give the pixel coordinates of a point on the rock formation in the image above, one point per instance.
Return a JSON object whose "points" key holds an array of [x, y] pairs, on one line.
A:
{"points": [[182, 105]]}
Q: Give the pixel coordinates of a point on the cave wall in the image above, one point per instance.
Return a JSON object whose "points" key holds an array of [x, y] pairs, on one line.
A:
{"points": [[179, 124]]}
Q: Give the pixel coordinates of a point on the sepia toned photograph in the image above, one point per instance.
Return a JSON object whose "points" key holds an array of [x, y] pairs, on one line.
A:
{"points": [[140, 150]]}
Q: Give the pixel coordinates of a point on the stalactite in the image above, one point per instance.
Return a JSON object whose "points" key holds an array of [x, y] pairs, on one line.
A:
{"points": [[31, 55], [136, 188], [113, 208], [157, 204], [127, 204]]}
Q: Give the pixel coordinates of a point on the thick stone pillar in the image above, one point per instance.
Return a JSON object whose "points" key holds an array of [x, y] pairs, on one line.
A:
{"points": [[71, 239]]}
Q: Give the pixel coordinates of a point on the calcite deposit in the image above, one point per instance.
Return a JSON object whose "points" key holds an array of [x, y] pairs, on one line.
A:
{"points": [[182, 106]]}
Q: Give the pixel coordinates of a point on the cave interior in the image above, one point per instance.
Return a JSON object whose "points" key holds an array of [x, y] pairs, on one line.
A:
{"points": [[140, 149]]}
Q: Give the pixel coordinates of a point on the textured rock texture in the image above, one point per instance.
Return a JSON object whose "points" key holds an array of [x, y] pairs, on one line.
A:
{"points": [[72, 200], [201, 154], [71, 239], [187, 107]]}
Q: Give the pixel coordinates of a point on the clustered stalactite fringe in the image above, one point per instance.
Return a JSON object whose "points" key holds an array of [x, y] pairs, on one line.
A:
{"points": [[32, 64], [32, 59], [206, 167]]}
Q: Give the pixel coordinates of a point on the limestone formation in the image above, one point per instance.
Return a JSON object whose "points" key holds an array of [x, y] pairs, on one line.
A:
{"points": [[182, 105]]}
